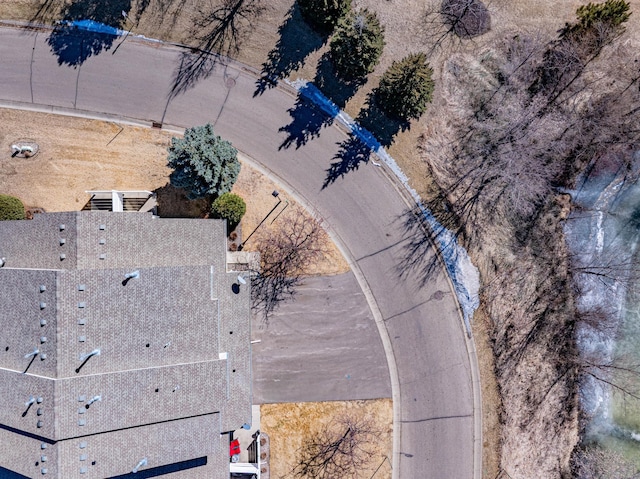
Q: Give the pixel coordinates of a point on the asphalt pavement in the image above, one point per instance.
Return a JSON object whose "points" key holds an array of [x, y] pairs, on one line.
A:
{"points": [[430, 359], [320, 346]]}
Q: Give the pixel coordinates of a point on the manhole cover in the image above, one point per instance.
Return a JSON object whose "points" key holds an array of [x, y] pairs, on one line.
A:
{"points": [[24, 149], [230, 82]]}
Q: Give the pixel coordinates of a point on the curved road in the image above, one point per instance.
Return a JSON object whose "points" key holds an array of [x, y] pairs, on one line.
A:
{"points": [[436, 422]]}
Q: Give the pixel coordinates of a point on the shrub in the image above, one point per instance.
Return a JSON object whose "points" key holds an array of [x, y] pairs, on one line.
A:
{"points": [[230, 207], [11, 208], [357, 45], [323, 15], [406, 87], [204, 164]]}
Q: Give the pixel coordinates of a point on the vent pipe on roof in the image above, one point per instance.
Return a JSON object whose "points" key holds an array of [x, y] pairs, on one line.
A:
{"points": [[92, 400], [31, 400], [95, 352], [2, 262], [35, 352], [143, 462], [132, 275]]}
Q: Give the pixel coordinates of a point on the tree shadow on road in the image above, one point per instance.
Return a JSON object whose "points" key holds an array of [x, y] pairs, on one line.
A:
{"points": [[308, 119], [425, 242], [72, 45], [353, 152], [374, 129], [222, 29], [297, 40]]}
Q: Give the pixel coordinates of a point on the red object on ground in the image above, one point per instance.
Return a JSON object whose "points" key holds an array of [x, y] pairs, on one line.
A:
{"points": [[234, 447]]}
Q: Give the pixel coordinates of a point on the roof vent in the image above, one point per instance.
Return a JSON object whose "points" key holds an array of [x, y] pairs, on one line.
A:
{"points": [[62, 227], [143, 462], [62, 241], [2, 262], [43, 288], [35, 352], [62, 256]]}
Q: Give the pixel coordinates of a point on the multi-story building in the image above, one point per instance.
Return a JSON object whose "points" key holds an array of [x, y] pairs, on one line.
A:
{"points": [[124, 347]]}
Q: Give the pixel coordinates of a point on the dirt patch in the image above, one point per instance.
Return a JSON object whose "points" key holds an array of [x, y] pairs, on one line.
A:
{"points": [[289, 425], [76, 155]]}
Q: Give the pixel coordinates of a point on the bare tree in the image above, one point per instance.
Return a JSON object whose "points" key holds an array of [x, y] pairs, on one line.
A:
{"points": [[450, 21], [594, 462], [286, 254], [339, 450]]}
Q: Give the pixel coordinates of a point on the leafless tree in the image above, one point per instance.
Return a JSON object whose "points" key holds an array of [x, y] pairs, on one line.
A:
{"points": [[449, 21], [286, 253], [594, 462], [339, 450]]}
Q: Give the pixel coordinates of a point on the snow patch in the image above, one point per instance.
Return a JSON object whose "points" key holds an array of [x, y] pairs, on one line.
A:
{"points": [[464, 275]]}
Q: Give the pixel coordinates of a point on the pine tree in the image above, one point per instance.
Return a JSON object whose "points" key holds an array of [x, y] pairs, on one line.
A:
{"points": [[323, 15], [357, 45], [406, 87], [204, 164]]}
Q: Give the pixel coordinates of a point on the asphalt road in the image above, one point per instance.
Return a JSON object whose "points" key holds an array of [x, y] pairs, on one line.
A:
{"points": [[435, 427], [319, 347]]}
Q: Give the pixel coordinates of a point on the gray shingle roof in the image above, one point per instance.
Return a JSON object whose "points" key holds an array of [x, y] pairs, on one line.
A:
{"points": [[160, 338]]}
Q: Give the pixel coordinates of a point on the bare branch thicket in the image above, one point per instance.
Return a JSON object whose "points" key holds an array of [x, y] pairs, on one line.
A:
{"points": [[450, 21], [339, 450], [286, 254], [516, 141], [221, 31], [595, 462]]}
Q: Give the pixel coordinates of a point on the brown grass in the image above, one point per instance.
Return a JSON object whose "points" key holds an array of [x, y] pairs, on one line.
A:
{"points": [[289, 425], [76, 155]]}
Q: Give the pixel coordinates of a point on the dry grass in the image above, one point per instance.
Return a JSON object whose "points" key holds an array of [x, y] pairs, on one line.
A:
{"points": [[405, 27], [76, 155], [289, 425]]}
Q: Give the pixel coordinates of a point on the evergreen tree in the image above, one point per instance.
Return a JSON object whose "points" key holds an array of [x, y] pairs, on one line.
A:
{"points": [[323, 15], [357, 45], [406, 87], [203, 163]]}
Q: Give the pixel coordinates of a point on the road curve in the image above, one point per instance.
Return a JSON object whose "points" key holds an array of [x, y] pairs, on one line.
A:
{"points": [[435, 418]]}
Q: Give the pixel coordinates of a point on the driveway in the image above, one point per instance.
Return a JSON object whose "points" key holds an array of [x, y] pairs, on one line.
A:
{"points": [[322, 346], [421, 330]]}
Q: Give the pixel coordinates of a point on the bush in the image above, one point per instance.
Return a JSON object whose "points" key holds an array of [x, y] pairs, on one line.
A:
{"points": [[204, 164], [357, 45], [323, 15], [11, 208], [406, 87], [230, 207]]}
